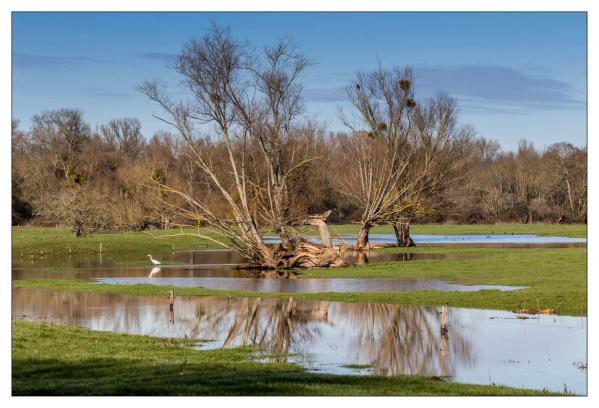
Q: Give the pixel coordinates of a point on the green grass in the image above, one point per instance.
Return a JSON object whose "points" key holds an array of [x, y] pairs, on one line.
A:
{"points": [[556, 279], [357, 366], [38, 241], [57, 360]]}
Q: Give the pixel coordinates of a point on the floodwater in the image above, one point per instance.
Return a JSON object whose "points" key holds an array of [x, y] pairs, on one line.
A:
{"points": [[344, 285], [479, 346], [218, 269], [494, 241], [464, 345]]}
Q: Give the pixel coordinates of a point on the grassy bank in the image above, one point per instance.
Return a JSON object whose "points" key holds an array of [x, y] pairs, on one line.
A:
{"points": [[556, 279], [56, 360], [59, 241]]}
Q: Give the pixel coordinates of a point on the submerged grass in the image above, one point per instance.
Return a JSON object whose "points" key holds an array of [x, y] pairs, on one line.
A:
{"points": [[357, 366], [57, 360]]}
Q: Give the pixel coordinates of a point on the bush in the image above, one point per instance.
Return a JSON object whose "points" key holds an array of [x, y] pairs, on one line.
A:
{"points": [[84, 211]]}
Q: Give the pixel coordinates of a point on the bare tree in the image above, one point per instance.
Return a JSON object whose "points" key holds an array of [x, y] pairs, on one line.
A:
{"points": [[402, 151], [438, 160], [84, 210], [60, 134], [569, 170], [249, 102], [380, 176], [124, 135]]}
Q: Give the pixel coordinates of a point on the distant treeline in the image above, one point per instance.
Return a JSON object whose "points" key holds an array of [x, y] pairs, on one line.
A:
{"points": [[64, 172]]}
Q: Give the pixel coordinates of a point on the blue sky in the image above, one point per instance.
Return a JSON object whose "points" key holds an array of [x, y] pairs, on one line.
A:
{"points": [[515, 75]]}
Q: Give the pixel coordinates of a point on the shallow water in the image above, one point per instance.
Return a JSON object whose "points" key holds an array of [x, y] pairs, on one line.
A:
{"points": [[480, 346], [497, 241], [220, 262], [343, 285], [217, 269]]}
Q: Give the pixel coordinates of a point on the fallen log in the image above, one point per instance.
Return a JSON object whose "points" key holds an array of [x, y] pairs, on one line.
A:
{"points": [[535, 311]]}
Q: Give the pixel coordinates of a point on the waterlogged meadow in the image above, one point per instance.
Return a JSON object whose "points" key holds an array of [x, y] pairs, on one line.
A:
{"points": [[446, 312]]}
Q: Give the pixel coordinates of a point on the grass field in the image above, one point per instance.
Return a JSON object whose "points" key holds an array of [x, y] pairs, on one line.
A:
{"points": [[57, 360], [37, 241], [60, 241]]}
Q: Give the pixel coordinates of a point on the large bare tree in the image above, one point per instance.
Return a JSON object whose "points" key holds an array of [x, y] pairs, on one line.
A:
{"points": [[402, 151], [249, 103], [438, 161], [380, 148]]}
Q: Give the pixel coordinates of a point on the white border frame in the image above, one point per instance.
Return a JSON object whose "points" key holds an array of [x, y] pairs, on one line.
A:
{"points": [[7, 6]]}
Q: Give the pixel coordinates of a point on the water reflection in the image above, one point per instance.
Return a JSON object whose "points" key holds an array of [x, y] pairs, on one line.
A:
{"points": [[393, 339], [154, 271], [406, 340], [362, 257], [474, 346]]}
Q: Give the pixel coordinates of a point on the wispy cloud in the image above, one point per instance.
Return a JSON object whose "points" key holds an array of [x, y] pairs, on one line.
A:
{"points": [[43, 61], [159, 56], [483, 88], [108, 92], [333, 94], [499, 85]]}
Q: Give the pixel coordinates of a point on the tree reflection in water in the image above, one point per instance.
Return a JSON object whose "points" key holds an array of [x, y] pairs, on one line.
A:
{"points": [[275, 325], [394, 339], [398, 339]]}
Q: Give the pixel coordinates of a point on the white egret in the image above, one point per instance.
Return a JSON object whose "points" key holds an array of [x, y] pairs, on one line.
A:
{"points": [[154, 261]]}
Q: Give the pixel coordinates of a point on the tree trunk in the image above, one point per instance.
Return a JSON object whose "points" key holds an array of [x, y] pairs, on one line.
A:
{"points": [[266, 257], [325, 234], [402, 233], [362, 242], [570, 196], [320, 221]]}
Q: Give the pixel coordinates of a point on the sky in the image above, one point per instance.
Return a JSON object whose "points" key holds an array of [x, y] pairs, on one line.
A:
{"points": [[515, 75]]}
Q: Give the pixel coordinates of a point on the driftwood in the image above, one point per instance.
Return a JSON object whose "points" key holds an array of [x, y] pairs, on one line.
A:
{"points": [[536, 311], [305, 254], [300, 253]]}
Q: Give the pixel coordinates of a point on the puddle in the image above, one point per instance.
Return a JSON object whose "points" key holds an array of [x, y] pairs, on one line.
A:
{"points": [[344, 285], [478, 346]]}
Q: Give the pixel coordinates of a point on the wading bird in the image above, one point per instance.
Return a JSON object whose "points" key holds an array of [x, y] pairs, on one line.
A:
{"points": [[154, 261]]}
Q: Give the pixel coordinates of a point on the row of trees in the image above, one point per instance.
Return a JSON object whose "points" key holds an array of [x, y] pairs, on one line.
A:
{"points": [[241, 159]]}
